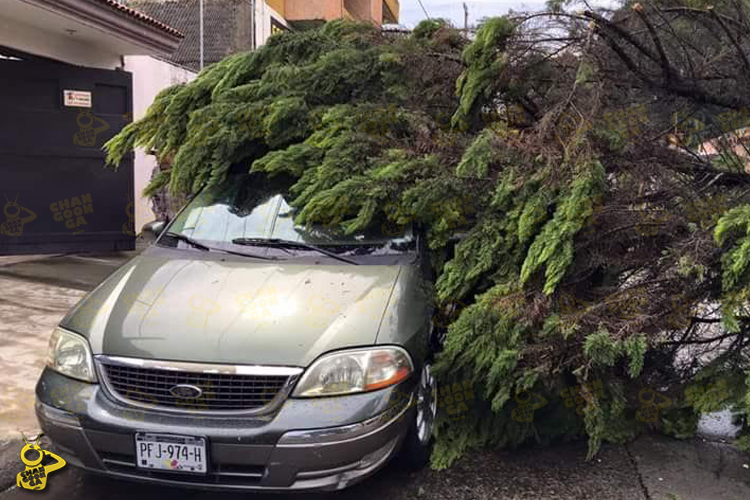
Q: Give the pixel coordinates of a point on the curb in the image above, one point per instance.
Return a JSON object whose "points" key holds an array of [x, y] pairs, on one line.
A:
{"points": [[11, 260], [10, 463]]}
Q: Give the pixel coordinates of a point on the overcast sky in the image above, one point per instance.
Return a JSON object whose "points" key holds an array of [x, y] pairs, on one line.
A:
{"points": [[412, 13]]}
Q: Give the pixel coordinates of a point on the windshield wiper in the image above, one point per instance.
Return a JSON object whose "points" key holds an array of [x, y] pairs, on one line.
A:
{"points": [[279, 243], [190, 241], [187, 239]]}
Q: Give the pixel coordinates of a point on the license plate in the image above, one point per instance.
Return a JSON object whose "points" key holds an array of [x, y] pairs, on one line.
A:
{"points": [[170, 452]]}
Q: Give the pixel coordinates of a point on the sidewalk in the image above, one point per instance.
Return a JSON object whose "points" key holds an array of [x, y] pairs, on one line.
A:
{"points": [[37, 292]]}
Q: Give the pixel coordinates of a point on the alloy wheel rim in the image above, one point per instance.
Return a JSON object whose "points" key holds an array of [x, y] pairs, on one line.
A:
{"points": [[426, 405]]}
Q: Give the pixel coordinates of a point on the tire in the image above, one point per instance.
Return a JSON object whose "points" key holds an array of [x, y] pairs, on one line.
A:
{"points": [[417, 446]]}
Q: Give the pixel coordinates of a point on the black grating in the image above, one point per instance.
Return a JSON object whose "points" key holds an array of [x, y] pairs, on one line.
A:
{"points": [[221, 392]]}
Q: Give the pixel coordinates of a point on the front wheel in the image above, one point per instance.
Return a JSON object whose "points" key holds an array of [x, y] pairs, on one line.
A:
{"points": [[417, 446]]}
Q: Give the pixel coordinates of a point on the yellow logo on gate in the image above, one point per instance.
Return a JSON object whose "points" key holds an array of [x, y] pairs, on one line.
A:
{"points": [[14, 225], [72, 210], [87, 135]]}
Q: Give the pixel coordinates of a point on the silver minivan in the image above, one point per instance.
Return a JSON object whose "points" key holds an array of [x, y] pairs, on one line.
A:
{"points": [[244, 351]]}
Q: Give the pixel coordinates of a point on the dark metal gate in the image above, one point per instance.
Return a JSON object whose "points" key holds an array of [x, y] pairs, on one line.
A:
{"points": [[55, 194]]}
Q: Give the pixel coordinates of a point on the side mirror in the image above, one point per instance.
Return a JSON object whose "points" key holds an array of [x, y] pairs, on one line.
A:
{"points": [[153, 229]]}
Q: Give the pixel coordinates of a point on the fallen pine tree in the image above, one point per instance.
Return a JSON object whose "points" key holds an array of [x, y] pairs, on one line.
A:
{"points": [[599, 283]]}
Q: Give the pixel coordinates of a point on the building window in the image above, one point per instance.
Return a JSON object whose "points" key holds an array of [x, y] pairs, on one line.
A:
{"points": [[277, 27]]}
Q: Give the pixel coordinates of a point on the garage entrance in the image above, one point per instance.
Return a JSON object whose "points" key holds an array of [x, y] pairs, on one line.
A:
{"points": [[56, 196]]}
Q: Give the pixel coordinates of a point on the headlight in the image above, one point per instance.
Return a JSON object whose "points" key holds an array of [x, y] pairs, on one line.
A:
{"points": [[69, 354], [358, 370]]}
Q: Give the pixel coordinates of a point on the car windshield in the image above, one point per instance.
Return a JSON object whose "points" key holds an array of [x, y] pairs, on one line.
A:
{"points": [[242, 213]]}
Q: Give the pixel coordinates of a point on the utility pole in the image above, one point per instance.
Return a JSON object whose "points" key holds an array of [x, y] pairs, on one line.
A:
{"points": [[201, 32], [466, 20], [252, 24]]}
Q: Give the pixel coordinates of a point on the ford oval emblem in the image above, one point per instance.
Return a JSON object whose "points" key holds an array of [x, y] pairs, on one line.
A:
{"points": [[186, 391]]}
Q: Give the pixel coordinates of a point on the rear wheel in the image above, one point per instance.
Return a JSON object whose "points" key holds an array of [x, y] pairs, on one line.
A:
{"points": [[415, 452]]}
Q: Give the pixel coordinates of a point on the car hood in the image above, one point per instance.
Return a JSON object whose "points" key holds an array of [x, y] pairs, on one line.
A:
{"points": [[179, 305]]}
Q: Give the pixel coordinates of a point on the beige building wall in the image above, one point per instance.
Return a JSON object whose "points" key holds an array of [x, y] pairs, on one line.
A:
{"points": [[305, 10]]}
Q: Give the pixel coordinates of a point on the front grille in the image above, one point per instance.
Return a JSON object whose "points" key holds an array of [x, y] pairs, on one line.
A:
{"points": [[221, 391]]}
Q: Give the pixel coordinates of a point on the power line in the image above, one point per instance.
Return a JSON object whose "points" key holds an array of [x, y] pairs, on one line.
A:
{"points": [[423, 9]]}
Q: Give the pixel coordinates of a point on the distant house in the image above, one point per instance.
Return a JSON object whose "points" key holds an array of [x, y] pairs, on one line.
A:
{"points": [[231, 26], [737, 141], [73, 73]]}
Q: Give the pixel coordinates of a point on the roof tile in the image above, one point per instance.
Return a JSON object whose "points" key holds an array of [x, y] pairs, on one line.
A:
{"points": [[141, 17]]}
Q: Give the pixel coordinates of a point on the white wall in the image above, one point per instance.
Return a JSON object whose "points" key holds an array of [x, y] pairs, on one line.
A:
{"points": [[263, 13], [150, 76]]}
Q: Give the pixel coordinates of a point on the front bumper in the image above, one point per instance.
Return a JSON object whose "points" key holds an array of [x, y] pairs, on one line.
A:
{"points": [[301, 448]]}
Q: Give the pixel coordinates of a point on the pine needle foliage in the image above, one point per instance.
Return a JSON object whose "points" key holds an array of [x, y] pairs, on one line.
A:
{"points": [[565, 241]]}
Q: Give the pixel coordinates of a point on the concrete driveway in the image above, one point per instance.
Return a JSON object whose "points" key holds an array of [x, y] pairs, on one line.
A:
{"points": [[36, 293]]}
